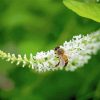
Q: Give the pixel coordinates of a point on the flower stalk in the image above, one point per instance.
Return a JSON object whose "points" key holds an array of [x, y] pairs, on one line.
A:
{"points": [[78, 50]]}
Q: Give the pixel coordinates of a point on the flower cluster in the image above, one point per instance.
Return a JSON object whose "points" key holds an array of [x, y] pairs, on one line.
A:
{"points": [[78, 51]]}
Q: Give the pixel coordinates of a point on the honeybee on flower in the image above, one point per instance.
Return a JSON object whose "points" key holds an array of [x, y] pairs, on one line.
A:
{"points": [[63, 59]]}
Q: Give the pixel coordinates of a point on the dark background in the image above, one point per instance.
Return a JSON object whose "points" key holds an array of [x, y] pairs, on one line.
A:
{"points": [[30, 26]]}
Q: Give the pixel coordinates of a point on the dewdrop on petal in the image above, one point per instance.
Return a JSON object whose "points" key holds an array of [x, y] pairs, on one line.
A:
{"points": [[78, 50]]}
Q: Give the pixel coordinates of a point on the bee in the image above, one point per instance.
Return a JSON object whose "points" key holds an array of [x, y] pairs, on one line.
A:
{"points": [[63, 59]]}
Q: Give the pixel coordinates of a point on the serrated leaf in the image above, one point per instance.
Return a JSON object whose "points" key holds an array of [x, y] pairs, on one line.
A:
{"points": [[88, 10]]}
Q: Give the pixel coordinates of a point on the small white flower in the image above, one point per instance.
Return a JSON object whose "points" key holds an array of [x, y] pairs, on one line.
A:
{"points": [[40, 55]]}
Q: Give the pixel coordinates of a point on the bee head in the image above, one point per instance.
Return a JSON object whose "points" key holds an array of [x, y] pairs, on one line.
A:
{"points": [[56, 48], [59, 51]]}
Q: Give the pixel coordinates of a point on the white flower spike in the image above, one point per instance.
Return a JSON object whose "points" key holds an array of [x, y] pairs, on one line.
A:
{"points": [[78, 51]]}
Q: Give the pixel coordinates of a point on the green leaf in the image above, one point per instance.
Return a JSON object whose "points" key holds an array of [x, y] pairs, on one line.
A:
{"points": [[88, 10]]}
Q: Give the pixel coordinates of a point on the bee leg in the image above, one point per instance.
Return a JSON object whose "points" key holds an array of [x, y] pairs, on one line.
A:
{"points": [[65, 64], [58, 63]]}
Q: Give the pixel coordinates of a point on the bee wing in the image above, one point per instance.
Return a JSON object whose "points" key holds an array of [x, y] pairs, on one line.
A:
{"points": [[62, 62]]}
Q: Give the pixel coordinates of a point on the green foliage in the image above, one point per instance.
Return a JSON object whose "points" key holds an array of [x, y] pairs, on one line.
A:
{"points": [[85, 9], [34, 25]]}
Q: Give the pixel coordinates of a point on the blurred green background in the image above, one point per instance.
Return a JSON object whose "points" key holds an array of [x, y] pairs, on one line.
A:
{"points": [[30, 26]]}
